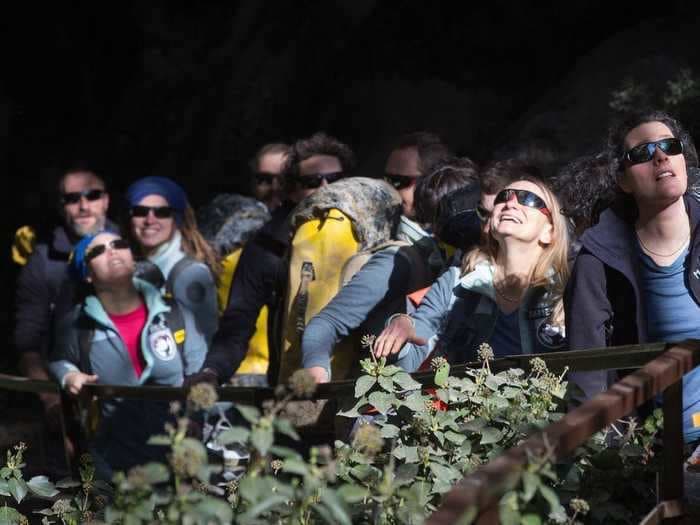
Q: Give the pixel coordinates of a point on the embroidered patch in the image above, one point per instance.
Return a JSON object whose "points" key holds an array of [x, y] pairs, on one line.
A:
{"points": [[696, 420], [179, 336], [163, 345], [550, 336]]}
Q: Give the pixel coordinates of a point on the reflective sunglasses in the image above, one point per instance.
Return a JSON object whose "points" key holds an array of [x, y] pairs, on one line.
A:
{"points": [[645, 152], [399, 182], [525, 198], [262, 177], [72, 197], [99, 249], [160, 212], [314, 180]]}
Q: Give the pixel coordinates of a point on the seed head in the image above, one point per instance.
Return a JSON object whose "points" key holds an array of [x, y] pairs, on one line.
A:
{"points": [[580, 506], [368, 440], [203, 396], [437, 363], [302, 383], [485, 352]]}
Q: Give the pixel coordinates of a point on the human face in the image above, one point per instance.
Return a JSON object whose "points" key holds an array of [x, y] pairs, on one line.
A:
{"points": [[660, 181], [317, 165], [150, 231], [84, 216], [511, 219], [268, 179], [404, 163], [485, 210], [112, 266]]}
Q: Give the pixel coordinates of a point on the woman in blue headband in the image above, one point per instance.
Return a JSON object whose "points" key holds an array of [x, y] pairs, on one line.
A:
{"points": [[163, 230]]}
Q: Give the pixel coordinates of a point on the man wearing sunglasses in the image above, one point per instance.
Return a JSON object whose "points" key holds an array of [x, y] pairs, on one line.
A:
{"points": [[266, 168], [311, 163], [44, 292]]}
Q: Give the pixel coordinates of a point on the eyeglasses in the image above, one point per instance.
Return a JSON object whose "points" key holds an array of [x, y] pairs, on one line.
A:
{"points": [[73, 197], [645, 152], [314, 180], [160, 212], [263, 177], [99, 249], [400, 182], [524, 197]]}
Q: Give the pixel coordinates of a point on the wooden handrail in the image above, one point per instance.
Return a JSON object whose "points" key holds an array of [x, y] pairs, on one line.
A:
{"points": [[482, 488]]}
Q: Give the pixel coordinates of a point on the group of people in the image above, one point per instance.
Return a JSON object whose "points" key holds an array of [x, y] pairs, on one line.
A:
{"points": [[604, 252]]}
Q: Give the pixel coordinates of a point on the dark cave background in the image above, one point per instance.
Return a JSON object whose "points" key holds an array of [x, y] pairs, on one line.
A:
{"points": [[192, 92]]}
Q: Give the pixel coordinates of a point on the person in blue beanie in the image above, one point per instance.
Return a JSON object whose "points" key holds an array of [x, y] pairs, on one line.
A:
{"points": [[163, 231]]}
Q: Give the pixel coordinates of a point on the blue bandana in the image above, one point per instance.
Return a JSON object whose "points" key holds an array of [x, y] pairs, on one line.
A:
{"points": [[76, 263], [170, 190]]}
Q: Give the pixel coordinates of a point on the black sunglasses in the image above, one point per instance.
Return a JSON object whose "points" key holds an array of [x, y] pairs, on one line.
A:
{"points": [[73, 197], [99, 249], [262, 177], [314, 180], [160, 212], [399, 182], [645, 152], [524, 197]]}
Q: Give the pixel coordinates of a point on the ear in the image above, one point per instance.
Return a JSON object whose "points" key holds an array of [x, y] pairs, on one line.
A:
{"points": [[546, 234]]}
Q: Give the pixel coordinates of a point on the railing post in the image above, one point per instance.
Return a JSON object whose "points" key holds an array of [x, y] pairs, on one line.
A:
{"points": [[672, 474]]}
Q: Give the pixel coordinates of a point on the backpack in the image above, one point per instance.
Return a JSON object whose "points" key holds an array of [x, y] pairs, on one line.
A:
{"points": [[335, 232]]}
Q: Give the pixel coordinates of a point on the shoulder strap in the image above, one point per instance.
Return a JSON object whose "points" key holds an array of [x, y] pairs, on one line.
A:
{"points": [[357, 261], [179, 267], [150, 273], [176, 324], [86, 331]]}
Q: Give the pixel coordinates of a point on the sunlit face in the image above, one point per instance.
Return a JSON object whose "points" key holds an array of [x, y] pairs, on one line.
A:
{"points": [[84, 216], [112, 266], [661, 180], [405, 163], [150, 231], [513, 220], [268, 183]]}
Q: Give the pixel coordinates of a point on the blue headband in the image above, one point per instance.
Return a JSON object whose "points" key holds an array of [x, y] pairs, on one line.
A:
{"points": [[166, 188], [76, 263]]}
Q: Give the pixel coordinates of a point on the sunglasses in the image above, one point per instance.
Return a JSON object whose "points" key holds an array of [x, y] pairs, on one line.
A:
{"points": [[525, 198], [265, 178], [99, 249], [72, 197], [645, 152], [314, 180], [400, 182], [160, 212]]}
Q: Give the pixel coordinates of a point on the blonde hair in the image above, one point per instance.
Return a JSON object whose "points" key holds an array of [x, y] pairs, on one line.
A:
{"points": [[552, 268], [194, 245]]}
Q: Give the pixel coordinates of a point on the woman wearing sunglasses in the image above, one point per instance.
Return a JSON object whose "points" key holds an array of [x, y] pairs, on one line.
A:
{"points": [[636, 278], [508, 293], [123, 333], [163, 231]]}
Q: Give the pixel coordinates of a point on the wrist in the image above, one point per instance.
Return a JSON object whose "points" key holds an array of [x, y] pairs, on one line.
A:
{"points": [[400, 315]]}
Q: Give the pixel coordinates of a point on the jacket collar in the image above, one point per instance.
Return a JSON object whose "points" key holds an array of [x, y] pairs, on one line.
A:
{"points": [[63, 240], [152, 297]]}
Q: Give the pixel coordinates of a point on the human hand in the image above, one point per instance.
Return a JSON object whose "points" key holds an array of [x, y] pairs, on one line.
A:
{"points": [[74, 381], [319, 374], [399, 332]]}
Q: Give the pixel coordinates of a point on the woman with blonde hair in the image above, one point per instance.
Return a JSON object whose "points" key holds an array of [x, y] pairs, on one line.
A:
{"points": [[509, 292], [163, 232]]}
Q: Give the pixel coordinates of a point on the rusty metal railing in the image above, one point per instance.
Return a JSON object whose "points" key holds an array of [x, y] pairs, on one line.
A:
{"points": [[480, 491]]}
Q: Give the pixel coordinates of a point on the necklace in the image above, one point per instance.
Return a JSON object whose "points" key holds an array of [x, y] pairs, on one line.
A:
{"points": [[644, 247]]}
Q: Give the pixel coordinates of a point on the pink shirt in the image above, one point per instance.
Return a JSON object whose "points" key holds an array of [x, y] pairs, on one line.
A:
{"points": [[130, 326]]}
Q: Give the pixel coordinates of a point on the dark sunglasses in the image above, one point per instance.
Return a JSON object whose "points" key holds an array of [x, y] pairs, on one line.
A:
{"points": [[400, 182], [265, 178], [314, 180], [160, 212], [99, 249], [73, 197], [645, 152], [525, 198]]}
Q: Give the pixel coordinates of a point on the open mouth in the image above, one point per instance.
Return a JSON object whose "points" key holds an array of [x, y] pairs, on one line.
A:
{"points": [[664, 175], [510, 218]]}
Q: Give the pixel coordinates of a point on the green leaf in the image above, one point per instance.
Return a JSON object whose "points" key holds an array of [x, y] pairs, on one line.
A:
{"points": [[551, 497], [466, 448], [490, 435], [67, 483], [160, 440], [330, 499], [18, 489], [530, 484], [454, 437], [382, 401], [494, 382], [363, 385], [531, 519], [4, 488], [265, 505], [262, 439], [233, 435], [406, 382], [295, 466], [390, 431], [156, 473], [474, 425], [441, 375], [353, 493], [5, 472], [250, 414], [361, 472], [386, 383], [284, 452], [354, 411], [285, 427], [390, 370], [211, 507], [406, 473], [41, 486], [406, 453], [443, 472], [415, 402], [9, 516]]}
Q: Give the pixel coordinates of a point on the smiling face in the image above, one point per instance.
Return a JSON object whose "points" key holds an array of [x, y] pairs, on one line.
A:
{"points": [[660, 181], [150, 231], [404, 162], [84, 216], [513, 220], [112, 266]]}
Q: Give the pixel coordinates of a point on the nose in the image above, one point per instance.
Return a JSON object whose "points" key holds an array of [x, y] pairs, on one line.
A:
{"points": [[83, 202], [659, 154], [513, 197], [324, 182]]}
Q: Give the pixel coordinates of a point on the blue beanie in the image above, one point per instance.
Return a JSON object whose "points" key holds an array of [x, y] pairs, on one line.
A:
{"points": [[170, 190], [76, 263]]}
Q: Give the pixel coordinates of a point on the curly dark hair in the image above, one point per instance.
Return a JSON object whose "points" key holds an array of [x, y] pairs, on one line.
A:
{"points": [[496, 175], [446, 176], [432, 151], [584, 189], [317, 144]]}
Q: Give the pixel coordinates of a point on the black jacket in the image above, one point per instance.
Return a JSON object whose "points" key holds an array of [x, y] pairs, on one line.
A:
{"points": [[255, 284], [603, 299]]}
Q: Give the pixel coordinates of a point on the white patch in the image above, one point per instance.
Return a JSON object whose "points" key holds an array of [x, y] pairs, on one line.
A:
{"points": [[163, 345]]}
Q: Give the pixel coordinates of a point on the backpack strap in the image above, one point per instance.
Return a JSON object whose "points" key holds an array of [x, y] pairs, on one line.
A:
{"points": [[86, 331], [150, 273], [180, 266], [176, 324]]}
